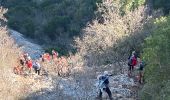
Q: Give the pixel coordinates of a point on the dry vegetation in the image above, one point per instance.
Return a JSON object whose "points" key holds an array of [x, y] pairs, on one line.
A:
{"points": [[109, 38], [8, 57], [12, 87]]}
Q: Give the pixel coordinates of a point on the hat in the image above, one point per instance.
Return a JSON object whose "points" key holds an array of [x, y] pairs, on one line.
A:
{"points": [[29, 58], [106, 72]]}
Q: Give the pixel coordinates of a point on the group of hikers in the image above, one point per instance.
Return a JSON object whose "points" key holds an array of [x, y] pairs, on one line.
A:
{"points": [[25, 62], [133, 60], [103, 80]]}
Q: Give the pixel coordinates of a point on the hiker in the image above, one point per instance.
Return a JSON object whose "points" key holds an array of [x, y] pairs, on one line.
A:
{"points": [[141, 69], [54, 54], [29, 64], [42, 57], [25, 55], [46, 57], [103, 85], [132, 61], [22, 61], [37, 67]]}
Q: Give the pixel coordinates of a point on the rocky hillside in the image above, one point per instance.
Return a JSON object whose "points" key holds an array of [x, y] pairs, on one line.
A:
{"points": [[105, 43]]}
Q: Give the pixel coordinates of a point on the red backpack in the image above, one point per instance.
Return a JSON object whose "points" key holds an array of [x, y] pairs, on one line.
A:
{"points": [[134, 61]]}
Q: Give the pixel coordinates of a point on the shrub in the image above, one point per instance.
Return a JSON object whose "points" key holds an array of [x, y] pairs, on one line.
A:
{"points": [[130, 5], [110, 41], [157, 55], [164, 4]]}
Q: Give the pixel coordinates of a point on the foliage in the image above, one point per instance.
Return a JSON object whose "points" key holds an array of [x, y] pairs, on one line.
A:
{"points": [[110, 41], [10, 89], [157, 55], [164, 4], [52, 18], [130, 5]]}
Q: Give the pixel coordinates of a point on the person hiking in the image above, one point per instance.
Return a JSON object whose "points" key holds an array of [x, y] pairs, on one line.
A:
{"points": [[22, 61], [29, 65], [42, 57], [46, 56], [37, 67], [103, 85], [142, 64], [132, 61], [54, 54], [25, 55]]}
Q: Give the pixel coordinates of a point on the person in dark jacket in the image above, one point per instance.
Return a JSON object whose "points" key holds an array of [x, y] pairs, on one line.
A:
{"points": [[103, 85], [142, 64]]}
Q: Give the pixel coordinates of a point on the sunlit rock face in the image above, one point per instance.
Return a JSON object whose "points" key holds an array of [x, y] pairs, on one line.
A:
{"points": [[27, 45]]}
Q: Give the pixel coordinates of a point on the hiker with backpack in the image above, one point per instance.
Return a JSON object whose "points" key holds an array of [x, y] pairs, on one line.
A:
{"points": [[37, 67], [132, 61], [46, 57], [22, 60], [26, 56], [103, 85], [142, 64], [54, 54], [29, 65]]}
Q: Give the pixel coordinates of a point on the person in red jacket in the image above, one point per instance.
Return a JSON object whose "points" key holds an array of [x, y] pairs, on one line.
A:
{"points": [[48, 56], [29, 65], [132, 61]]}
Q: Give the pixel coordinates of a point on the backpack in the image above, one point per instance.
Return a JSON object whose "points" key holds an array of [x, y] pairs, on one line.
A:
{"points": [[132, 61], [36, 66], [142, 65], [103, 81]]}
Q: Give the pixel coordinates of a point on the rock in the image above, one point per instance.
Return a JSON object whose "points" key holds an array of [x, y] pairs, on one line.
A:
{"points": [[34, 50], [119, 96], [124, 92]]}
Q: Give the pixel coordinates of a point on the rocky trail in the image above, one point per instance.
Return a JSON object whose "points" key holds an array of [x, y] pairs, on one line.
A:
{"points": [[77, 86], [84, 88]]}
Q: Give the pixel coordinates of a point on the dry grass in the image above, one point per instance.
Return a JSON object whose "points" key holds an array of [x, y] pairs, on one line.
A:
{"points": [[9, 88], [10, 84]]}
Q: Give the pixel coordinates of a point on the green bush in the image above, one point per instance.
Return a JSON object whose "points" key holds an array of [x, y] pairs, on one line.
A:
{"points": [[56, 17], [157, 55], [13, 24], [164, 4], [130, 5], [29, 27]]}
